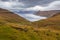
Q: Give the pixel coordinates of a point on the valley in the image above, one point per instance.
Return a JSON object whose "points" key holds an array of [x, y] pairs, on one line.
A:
{"points": [[14, 27]]}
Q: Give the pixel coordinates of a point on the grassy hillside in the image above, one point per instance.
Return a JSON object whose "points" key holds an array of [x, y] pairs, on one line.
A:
{"points": [[52, 22], [11, 24], [14, 27], [8, 16]]}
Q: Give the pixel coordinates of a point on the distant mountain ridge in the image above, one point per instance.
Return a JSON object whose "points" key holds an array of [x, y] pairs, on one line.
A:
{"points": [[47, 13]]}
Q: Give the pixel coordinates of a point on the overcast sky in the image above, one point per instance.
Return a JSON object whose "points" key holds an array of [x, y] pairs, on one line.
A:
{"points": [[32, 4]]}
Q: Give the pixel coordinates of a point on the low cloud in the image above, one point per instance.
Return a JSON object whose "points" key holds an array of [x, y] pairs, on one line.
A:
{"points": [[35, 8], [32, 17]]}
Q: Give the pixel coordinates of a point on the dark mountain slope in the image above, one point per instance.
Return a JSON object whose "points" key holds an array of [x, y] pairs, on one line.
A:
{"points": [[47, 13]]}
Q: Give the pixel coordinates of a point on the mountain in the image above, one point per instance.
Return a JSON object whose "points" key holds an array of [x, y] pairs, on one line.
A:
{"points": [[52, 22], [14, 27], [12, 17], [47, 13]]}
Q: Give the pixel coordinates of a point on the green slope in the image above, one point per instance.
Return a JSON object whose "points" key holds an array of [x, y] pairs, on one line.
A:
{"points": [[14, 27]]}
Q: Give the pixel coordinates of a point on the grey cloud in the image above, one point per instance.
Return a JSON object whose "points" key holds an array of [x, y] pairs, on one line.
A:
{"points": [[4, 0], [30, 3], [34, 4]]}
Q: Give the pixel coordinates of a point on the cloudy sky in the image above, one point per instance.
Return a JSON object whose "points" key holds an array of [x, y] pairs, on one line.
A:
{"points": [[30, 5]]}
